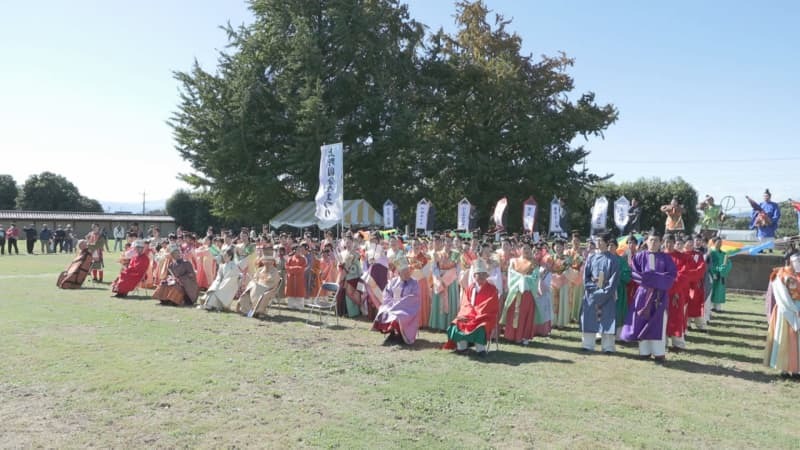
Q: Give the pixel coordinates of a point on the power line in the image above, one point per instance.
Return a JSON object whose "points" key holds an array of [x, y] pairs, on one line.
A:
{"points": [[690, 161]]}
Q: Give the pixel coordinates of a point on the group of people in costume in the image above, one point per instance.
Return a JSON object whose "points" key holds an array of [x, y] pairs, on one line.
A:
{"points": [[650, 290]]}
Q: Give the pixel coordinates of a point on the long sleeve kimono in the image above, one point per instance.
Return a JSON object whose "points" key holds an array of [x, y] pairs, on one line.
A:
{"points": [[520, 307], [222, 291], [477, 316], [599, 307], [678, 296], [295, 277], [782, 350], [695, 276], [654, 273], [719, 266], [622, 290], [399, 310]]}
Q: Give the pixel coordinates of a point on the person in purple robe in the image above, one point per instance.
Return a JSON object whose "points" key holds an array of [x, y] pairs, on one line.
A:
{"points": [[398, 316], [646, 322]]}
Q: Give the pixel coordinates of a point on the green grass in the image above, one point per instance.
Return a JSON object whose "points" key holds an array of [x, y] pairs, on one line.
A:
{"points": [[80, 368]]}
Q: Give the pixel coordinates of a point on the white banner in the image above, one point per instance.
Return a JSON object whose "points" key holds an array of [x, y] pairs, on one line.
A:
{"points": [[330, 196], [555, 217], [388, 214], [498, 213], [464, 208], [528, 216], [621, 208], [599, 213], [422, 215]]}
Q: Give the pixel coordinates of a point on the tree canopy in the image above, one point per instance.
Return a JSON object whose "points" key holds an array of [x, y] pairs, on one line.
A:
{"points": [[8, 192], [440, 116], [51, 192]]}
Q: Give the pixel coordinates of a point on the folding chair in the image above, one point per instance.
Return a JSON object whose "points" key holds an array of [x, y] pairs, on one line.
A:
{"points": [[325, 301]]}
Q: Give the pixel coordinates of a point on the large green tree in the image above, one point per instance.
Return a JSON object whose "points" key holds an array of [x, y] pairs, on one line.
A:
{"points": [[191, 210], [462, 115], [51, 192], [8, 192], [302, 74], [501, 122]]}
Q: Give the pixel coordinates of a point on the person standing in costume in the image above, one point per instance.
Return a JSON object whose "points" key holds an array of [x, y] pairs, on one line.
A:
{"points": [[96, 245], [674, 212], [654, 273], [677, 295], [695, 272], [765, 217], [599, 308], [445, 285], [712, 214], [398, 315], [477, 315], [622, 286], [519, 309], [421, 268], [295, 277], [720, 266], [782, 350]]}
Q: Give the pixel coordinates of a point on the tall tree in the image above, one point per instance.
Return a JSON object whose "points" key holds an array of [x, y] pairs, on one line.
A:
{"points": [[191, 210], [302, 74], [501, 123], [8, 192], [51, 192]]}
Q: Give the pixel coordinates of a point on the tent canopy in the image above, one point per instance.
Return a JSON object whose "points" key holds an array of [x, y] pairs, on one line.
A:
{"points": [[301, 215]]}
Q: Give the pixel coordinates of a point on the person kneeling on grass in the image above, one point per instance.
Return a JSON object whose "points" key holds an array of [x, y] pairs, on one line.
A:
{"points": [[130, 277], [398, 315], [477, 316]]}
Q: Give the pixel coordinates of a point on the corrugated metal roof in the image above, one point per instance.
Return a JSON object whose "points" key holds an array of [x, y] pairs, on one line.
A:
{"points": [[80, 216]]}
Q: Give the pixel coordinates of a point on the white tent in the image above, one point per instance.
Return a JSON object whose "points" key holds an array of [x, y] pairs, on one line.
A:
{"points": [[301, 215]]}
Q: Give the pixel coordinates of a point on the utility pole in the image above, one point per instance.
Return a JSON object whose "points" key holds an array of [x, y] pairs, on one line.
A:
{"points": [[144, 196]]}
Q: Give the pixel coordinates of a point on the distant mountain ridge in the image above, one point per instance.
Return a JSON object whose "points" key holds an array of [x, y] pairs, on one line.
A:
{"points": [[133, 207]]}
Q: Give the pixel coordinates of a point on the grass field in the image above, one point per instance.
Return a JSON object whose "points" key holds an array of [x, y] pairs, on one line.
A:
{"points": [[78, 369]]}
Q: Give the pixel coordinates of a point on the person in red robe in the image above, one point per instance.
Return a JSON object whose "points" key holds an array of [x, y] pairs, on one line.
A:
{"points": [[477, 314], [678, 296], [695, 277], [130, 277], [295, 277]]}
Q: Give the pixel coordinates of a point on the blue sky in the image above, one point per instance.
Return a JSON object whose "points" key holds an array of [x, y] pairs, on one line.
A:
{"points": [[706, 90]]}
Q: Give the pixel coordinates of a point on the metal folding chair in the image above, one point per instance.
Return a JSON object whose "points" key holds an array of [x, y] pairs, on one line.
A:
{"points": [[323, 303]]}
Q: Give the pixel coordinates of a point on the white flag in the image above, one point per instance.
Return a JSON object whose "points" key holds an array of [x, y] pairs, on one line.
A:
{"points": [[528, 216], [621, 208], [388, 214], [422, 215], [555, 217], [464, 208], [499, 209], [599, 213], [330, 196]]}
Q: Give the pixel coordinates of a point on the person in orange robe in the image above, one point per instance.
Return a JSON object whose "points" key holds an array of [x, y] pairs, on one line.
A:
{"points": [[420, 271], [295, 277], [477, 315]]}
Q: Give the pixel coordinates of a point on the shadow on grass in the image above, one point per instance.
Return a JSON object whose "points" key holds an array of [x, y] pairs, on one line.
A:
{"points": [[730, 319], [740, 326], [713, 331], [736, 313], [513, 358], [702, 338], [724, 355], [695, 367]]}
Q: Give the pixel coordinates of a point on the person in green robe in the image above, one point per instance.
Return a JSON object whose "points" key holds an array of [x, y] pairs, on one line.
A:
{"points": [[719, 265], [622, 287]]}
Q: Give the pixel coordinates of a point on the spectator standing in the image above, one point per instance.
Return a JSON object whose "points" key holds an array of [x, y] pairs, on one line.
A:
{"points": [[119, 237], [44, 239], [30, 237], [58, 239], [12, 234], [69, 239], [2, 240]]}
